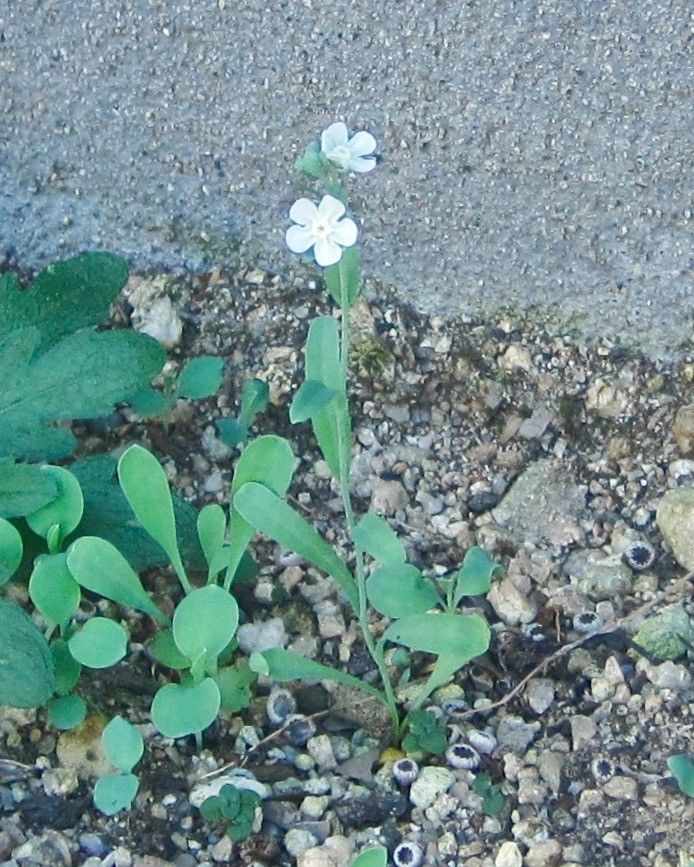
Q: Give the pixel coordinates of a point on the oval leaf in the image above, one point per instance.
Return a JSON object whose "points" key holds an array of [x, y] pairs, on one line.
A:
{"points": [[165, 651], [211, 525], [463, 635], [264, 510], [23, 489], [123, 744], [374, 535], [27, 678], [400, 590], [65, 510], [146, 488], [115, 792], [376, 857], [11, 550], [311, 397], [474, 578], [201, 377], [100, 567], [67, 669], [179, 710], [66, 712], [682, 769], [100, 643], [53, 590], [205, 621]]}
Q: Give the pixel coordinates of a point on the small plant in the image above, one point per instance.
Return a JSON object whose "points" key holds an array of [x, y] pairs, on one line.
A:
{"points": [[199, 379], [124, 747], [254, 399], [377, 856], [493, 799], [682, 769], [235, 807], [426, 734], [423, 612]]}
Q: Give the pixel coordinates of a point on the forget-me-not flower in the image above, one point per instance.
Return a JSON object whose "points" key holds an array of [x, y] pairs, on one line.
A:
{"points": [[322, 227], [353, 154]]}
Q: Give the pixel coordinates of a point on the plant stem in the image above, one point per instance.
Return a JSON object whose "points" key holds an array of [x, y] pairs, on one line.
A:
{"points": [[362, 614]]}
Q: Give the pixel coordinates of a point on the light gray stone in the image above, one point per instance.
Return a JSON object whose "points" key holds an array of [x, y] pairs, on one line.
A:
{"points": [[675, 518], [431, 782]]}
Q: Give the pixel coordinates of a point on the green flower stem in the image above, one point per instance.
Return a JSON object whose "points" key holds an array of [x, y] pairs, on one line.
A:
{"points": [[376, 653]]}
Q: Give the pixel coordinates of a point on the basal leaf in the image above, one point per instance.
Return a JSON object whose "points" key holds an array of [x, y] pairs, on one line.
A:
{"points": [[123, 744], [265, 511], [464, 634], [100, 643], [66, 711], [311, 397], [399, 590], [82, 376], [179, 710], [212, 523], [374, 535], [99, 567], [108, 515], [53, 590], [65, 511], [146, 488], [23, 489], [115, 792], [205, 621], [65, 297], [201, 377], [27, 678], [166, 652], [474, 578], [342, 280], [67, 669], [11, 550]]}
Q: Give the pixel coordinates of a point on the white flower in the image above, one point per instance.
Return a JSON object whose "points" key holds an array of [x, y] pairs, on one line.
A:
{"points": [[353, 154], [321, 228]]}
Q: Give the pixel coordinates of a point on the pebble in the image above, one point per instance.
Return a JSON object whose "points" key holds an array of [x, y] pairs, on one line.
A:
{"points": [[545, 854], [512, 606], [331, 622], [431, 782], [659, 634], [515, 733], [598, 576], [335, 852], [621, 788], [683, 429], [160, 320], [675, 519], [669, 675], [297, 841], [388, 496], [509, 855], [257, 637], [321, 751], [583, 730], [540, 694], [313, 806]]}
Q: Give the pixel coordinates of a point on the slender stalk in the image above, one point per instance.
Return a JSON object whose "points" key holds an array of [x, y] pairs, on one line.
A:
{"points": [[362, 614]]}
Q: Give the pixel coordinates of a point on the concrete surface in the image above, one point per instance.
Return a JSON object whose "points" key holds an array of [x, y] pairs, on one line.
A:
{"points": [[535, 153]]}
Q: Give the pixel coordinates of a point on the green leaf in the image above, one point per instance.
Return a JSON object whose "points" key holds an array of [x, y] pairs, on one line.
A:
{"points": [[149, 403], [27, 678], [65, 511], [82, 376], [108, 515], [398, 590], [331, 425], [268, 460], [24, 489], [123, 744], [11, 550], [474, 578], [66, 712], [212, 525], [100, 643], [270, 515], [425, 733], [165, 651], [311, 162], [179, 710], [255, 395], [211, 809], [311, 397], [67, 669], [343, 279], [63, 298], [682, 769], [234, 685], [466, 635], [205, 621], [374, 857], [115, 792], [53, 590], [374, 535], [100, 567], [146, 488], [201, 377], [284, 666]]}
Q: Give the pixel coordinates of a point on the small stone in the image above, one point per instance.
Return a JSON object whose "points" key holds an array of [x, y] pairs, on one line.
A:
{"points": [[512, 606], [540, 694], [583, 730], [675, 519], [160, 320], [321, 750], [533, 427], [606, 400], [257, 637], [213, 448], [431, 782], [516, 357], [331, 623], [669, 675], [373, 809], [597, 576], [298, 840], [545, 854], [659, 634], [335, 852], [313, 806], [222, 851], [550, 766], [639, 555], [515, 733], [509, 855], [388, 496], [683, 429], [621, 788]]}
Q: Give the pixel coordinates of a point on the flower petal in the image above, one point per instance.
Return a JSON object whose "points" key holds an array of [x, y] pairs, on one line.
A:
{"points": [[333, 136], [361, 144], [344, 232], [303, 212], [299, 239], [327, 253], [362, 164], [330, 208]]}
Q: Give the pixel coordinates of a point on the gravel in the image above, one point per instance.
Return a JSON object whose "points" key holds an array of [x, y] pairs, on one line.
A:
{"points": [[533, 154]]}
